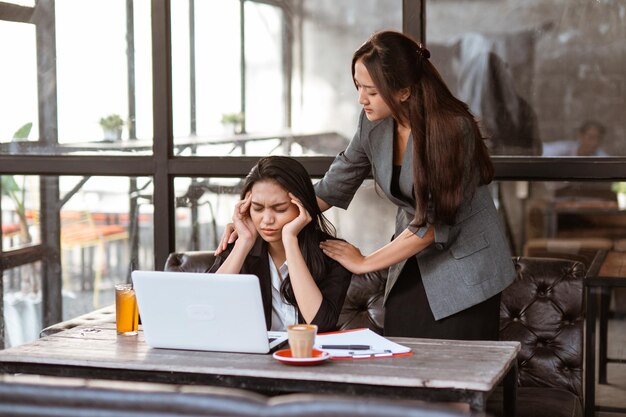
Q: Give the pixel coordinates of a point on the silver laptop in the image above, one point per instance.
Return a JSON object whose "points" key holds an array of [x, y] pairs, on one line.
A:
{"points": [[198, 311]]}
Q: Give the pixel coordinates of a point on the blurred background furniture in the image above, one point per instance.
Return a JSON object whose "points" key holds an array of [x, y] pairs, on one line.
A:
{"points": [[583, 249], [611, 275]]}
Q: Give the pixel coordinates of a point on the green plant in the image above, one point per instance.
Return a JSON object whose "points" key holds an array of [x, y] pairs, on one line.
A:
{"points": [[619, 187], [234, 118], [111, 122], [15, 192]]}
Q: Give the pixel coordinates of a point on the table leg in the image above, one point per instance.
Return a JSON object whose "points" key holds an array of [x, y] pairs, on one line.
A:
{"points": [[590, 353], [509, 396], [605, 301]]}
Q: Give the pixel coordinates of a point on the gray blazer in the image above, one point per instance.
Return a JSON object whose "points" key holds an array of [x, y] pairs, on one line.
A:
{"points": [[469, 262]]}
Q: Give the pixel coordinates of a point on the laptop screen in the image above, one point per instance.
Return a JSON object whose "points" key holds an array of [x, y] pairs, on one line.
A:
{"points": [[201, 311]]}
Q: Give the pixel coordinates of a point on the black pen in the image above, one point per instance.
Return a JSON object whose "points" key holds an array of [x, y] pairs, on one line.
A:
{"points": [[349, 347]]}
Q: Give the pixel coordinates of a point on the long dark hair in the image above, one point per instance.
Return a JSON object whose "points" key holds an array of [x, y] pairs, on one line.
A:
{"points": [[447, 167], [293, 177]]}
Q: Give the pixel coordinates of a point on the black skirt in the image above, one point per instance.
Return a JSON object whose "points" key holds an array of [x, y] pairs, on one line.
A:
{"points": [[408, 314]]}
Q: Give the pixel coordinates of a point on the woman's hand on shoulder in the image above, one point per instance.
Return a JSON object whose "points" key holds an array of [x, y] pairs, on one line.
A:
{"points": [[346, 254], [295, 226], [228, 237]]}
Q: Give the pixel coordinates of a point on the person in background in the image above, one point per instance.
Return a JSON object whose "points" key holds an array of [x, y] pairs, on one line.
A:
{"points": [[280, 227], [590, 136], [449, 259]]}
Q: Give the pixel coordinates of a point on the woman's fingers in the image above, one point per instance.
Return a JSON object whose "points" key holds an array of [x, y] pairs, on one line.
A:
{"points": [[244, 207], [346, 254], [303, 214], [303, 211], [335, 246], [226, 238], [241, 211], [233, 236]]}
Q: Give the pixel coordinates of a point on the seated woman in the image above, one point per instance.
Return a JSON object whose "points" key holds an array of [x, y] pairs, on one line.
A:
{"points": [[280, 227]]}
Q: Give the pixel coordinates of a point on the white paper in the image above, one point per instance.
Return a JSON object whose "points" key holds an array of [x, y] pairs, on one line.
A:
{"points": [[380, 346]]}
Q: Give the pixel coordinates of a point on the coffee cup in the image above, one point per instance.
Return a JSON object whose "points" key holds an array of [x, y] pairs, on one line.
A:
{"points": [[301, 339]]}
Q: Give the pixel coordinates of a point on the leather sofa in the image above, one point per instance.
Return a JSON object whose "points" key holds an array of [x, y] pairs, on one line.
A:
{"points": [[544, 310], [39, 396]]}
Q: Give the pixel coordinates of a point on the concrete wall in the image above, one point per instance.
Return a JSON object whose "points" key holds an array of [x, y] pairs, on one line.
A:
{"points": [[577, 68]]}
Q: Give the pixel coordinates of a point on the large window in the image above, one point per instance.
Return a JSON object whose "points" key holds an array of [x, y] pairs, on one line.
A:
{"points": [[545, 78], [196, 91]]}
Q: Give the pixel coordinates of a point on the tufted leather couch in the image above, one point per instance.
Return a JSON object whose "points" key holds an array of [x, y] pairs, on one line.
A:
{"points": [[38, 396], [544, 310]]}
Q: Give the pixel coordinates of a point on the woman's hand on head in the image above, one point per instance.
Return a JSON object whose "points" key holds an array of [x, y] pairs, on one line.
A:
{"points": [[346, 254], [242, 222], [295, 226]]}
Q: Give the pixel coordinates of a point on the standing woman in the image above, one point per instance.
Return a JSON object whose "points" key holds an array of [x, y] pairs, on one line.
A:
{"points": [[449, 259]]}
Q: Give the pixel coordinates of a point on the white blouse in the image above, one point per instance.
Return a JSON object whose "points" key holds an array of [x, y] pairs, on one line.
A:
{"points": [[283, 314]]}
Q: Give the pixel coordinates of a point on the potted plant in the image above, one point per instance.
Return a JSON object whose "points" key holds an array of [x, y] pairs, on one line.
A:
{"points": [[233, 122], [16, 192], [112, 127], [620, 189]]}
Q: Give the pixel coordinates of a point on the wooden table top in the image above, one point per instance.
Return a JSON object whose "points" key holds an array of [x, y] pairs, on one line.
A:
{"points": [[458, 365], [614, 265], [612, 272]]}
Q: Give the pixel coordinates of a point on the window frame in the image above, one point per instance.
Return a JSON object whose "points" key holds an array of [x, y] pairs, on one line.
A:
{"points": [[163, 166]]}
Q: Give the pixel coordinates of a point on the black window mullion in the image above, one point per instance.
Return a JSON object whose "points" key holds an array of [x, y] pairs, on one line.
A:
{"points": [[414, 19], [163, 131]]}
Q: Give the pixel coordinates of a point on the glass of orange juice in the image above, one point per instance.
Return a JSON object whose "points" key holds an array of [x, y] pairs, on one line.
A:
{"points": [[126, 311]]}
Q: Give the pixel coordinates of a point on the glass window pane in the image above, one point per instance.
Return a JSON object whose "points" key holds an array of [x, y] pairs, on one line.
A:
{"points": [[20, 211], [535, 72], [18, 83], [205, 206], [99, 87], [93, 82], [22, 304], [548, 214], [529, 211], [299, 98], [106, 230]]}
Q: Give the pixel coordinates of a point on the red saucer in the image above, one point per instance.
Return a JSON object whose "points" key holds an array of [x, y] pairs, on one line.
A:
{"points": [[284, 356]]}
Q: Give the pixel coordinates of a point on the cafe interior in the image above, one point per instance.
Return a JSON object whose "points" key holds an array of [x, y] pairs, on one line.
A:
{"points": [[128, 126]]}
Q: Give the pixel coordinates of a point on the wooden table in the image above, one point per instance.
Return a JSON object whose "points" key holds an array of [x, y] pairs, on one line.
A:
{"points": [[581, 206], [612, 274], [438, 370]]}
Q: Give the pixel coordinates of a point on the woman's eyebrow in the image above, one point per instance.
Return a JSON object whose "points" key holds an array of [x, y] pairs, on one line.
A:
{"points": [[273, 205], [363, 85]]}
